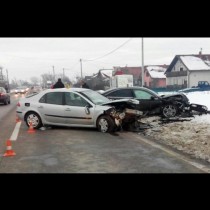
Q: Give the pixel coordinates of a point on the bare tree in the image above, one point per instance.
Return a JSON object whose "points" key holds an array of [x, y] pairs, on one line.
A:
{"points": [[34, 80]]}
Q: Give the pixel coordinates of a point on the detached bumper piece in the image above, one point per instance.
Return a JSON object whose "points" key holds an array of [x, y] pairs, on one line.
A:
{"points": [[199, 108]]}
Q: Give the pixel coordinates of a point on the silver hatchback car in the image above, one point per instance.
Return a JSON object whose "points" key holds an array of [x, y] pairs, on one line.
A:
{"points": [[75, 107]]}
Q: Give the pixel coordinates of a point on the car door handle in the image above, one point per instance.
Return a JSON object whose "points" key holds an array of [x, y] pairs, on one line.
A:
{"points": [[40, 107], [68, 109]]}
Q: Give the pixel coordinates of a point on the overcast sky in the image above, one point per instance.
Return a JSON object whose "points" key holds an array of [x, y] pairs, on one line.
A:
{"points": [[28, 57]]}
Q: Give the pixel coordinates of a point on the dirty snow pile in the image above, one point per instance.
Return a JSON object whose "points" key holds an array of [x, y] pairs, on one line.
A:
{"points": [[192, 136]]}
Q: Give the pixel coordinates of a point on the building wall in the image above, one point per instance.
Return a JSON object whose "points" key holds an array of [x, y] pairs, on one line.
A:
{"points": [[154, 82], [177, 80], [162, 82], [178, 65], [196, 76], [170, 81], [147, 79]]}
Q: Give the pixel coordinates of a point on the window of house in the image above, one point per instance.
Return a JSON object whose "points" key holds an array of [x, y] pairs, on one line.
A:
{"points": [[181, 68]]}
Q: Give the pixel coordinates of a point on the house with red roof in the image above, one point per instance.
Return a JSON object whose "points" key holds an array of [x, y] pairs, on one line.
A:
{"points": [[153, 75]]}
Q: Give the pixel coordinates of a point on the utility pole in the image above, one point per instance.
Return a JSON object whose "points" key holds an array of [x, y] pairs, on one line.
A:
{"points": [[81, 66], [142, 68], [7, 80], [53, 75], [63, 74]]}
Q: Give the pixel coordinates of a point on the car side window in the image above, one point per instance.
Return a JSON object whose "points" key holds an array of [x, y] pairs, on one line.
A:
{"points": [[72, 99], [121, 93], [141, 94], [52, 98]]}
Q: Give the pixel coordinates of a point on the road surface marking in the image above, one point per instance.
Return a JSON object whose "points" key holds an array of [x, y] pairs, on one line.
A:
{"points": [[15, 132]]}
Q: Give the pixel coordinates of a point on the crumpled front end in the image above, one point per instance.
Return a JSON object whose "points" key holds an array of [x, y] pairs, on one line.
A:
{"points": [[124, 116]]}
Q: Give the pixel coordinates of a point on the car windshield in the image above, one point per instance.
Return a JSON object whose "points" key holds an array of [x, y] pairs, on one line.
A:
{"points": [[95, 97]]}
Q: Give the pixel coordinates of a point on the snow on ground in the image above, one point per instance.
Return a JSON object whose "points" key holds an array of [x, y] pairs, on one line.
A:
{"points": [[191, 137]]}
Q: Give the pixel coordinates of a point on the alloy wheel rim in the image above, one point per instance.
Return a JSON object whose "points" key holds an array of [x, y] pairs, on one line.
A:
{"points": [[169, 111], [104, 125], [33, 119]]}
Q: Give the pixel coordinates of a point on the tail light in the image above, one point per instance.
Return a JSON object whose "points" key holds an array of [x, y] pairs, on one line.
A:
{"points": [[18, 104]]}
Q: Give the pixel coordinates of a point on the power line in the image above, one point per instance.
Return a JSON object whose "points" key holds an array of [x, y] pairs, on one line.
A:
{"points": [[109, 52]]}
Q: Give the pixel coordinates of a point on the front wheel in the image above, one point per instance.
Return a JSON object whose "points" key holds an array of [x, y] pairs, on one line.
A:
{"points": [[105, 124], [33, 118], [169, 110]]}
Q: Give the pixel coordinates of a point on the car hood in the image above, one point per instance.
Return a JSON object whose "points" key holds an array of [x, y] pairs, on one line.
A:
{"points": [[172, 95], [122, 101]]}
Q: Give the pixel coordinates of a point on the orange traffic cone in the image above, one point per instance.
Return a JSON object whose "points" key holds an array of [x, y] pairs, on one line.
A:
{"points": [[31, 128], [17, 119], [9, 151]]}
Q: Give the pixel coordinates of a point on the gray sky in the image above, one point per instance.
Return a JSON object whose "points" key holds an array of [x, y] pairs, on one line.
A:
{"points": [[28, 57]]}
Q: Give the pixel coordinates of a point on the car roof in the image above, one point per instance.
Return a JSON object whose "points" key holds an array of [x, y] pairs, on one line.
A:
{"points": [[132, 88], [67, 90]]}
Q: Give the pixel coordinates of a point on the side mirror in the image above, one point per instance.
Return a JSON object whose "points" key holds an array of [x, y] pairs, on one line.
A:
{"points": [[153, 98], [87, 109]]}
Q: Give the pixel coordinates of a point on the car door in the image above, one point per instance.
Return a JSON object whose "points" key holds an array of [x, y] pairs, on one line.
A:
{"points": [[51, 108], [148, 101], [76, 111]]}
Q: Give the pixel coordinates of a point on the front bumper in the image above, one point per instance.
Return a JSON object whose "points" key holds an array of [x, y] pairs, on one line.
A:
{"points": [[199, 108]]}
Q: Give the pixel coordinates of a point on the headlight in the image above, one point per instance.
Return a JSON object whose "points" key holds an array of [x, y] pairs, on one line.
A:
{"points": [[205, 107]]}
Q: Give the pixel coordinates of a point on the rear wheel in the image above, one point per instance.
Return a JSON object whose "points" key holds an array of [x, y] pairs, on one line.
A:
{"points": [[6, 102], [33, 118], [169, 110], [105, 124]]}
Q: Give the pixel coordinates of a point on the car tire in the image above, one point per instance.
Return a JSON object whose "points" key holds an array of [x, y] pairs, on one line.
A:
{"points": [[169, 110], [105, 124], [35, 119], [6, 102]]}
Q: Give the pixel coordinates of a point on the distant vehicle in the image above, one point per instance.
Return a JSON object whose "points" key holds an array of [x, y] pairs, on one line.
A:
{"points": [[76, 107], [37, 89], [4, 96], [153, 104], [49, 84], [21, 90], [202, 86], [124, 80]]}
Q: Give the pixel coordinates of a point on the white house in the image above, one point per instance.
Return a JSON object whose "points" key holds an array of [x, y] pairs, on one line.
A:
{"points": [[186, 70]]}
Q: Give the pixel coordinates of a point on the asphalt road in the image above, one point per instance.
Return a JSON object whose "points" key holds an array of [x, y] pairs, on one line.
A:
{"points": [[76, 150]]}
